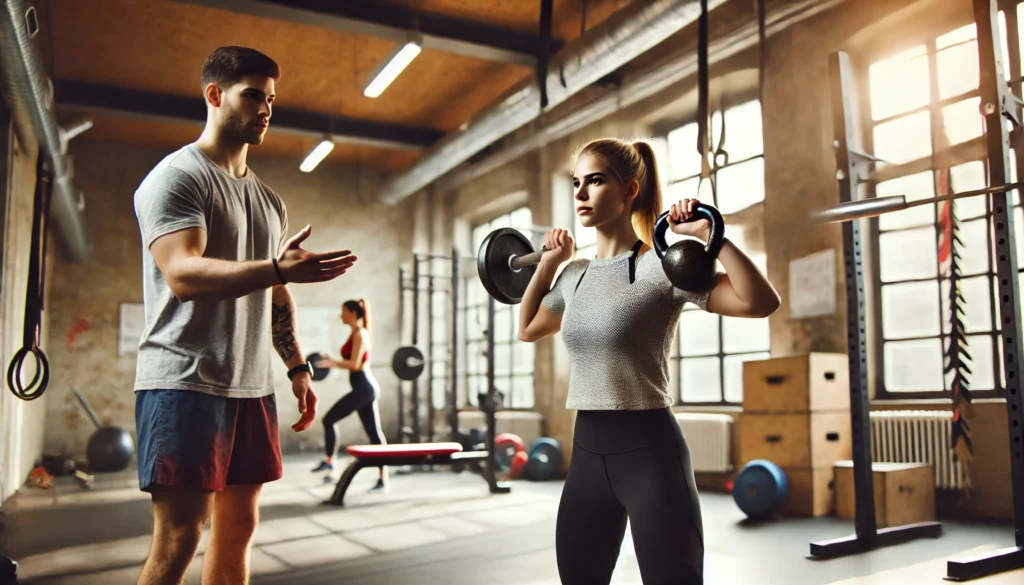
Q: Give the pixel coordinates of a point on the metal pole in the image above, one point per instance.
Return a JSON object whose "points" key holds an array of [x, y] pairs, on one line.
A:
{"points": [[867, 535], [415, 339], [430, 351], [401, 327], [453, 395], [994, 96]]}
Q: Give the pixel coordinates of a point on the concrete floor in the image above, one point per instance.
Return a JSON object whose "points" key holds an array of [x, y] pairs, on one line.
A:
{"points": [[438, 527]]}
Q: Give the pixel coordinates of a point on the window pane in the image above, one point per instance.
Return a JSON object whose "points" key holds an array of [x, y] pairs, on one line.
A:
{"points": [[913, 187], [910, 309], [522, 357], [908, 254], [965, 33], [904, 139], [913, 366], [702, 380], [740, 186], [743, 129], [899, 84], [977, 304], [699, 333], [982, 375], [957, 70], [660, 148], [975, 253], [502, 359], [684, 160], [733, 366], [522, 392], [521, 218], [963, 121], [502, 325], [740, 335], [438, 393], [968, 177], [682, 190]]}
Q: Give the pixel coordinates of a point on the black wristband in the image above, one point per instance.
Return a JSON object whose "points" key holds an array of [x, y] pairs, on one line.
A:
{"points": [[278, 271], [300, 368]]}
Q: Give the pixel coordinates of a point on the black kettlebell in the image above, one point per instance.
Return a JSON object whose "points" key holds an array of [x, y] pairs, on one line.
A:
{"points": [[689, 264]]}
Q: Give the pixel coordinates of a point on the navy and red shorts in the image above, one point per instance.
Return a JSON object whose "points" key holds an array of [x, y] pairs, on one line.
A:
{"points": [[194, 440]]}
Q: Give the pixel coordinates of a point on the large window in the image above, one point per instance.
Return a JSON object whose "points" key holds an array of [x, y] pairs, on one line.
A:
{"points": [[513, 359], [706, 365], [708, 354], [923, 116]]}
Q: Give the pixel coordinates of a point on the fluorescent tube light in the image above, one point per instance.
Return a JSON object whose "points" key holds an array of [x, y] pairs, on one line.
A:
{"points": [[317, 155], [392, 67]]}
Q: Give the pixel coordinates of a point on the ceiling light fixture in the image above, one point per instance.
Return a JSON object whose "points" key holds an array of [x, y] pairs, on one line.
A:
{"points": [[390, 68], [317, 155]]}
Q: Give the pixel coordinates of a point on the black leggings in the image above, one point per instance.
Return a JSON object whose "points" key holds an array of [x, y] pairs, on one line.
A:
{"points": [[631, 464], [362, 399]]}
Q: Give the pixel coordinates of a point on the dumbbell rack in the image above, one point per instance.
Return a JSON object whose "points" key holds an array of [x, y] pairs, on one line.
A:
{"points": [[850, 162]]}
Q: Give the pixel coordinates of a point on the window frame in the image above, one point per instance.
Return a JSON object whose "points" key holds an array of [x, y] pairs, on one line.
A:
{"points": [[467, 309], [956, 155]]}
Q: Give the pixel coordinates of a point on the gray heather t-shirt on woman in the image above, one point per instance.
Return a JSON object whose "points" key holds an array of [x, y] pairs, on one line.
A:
{"points": [[215, 347], [618, 333]]}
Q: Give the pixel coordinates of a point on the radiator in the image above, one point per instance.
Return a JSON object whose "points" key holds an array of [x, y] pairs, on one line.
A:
{"points": [[709, 437], [918, 436]]}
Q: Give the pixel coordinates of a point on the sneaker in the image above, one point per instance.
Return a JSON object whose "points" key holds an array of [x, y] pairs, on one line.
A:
{"points": [[380, 488], [324, 466]]}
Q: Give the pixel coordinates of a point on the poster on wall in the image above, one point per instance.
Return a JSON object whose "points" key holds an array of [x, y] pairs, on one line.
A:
{"points": [[812, 285], [130, 323]]}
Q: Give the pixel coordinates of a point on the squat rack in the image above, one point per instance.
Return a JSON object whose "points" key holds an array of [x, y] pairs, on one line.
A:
{"points": [[449, 286], [999, 104]]}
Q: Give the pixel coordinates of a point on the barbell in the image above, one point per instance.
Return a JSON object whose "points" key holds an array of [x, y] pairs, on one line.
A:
{"points": [[873, 207], [507, 260], [407, 363]]}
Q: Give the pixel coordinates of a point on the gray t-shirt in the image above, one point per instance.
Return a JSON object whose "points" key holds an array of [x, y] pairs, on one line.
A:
{"points": [[618, 334], [215, 347]]}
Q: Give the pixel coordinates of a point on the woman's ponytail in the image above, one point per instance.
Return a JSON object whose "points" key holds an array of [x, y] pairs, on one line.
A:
{"points": [[365, 306], [647, 206]]}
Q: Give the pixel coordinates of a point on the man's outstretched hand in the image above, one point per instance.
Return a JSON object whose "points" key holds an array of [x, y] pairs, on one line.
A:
{"points": [[299, 265]]}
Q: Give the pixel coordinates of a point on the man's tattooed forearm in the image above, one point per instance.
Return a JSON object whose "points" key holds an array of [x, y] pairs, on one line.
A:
{"points": [[283, 330]]}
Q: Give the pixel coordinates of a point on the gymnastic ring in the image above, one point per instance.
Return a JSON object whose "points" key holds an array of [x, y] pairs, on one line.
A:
{"points": [[39, 382]]}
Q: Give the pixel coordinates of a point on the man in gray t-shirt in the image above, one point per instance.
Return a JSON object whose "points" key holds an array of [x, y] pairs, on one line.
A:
{"points": [[215, 267]]}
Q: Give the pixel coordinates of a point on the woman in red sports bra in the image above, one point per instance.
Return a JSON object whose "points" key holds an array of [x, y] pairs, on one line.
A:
{"points": [[365, 390]]}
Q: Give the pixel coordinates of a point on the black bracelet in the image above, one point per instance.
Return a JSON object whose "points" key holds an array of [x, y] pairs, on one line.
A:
{"points": [[278, 271]]}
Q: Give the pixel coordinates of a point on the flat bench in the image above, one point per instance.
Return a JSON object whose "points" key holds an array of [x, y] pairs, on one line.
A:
{"points": [[401, 454]]}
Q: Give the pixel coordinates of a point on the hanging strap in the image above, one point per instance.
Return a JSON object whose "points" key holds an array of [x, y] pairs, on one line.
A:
{"points": [[34, 297], [703, 110]]}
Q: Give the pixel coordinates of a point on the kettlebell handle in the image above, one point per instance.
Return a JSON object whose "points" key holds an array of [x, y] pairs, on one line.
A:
{"points": [[716, 237]]}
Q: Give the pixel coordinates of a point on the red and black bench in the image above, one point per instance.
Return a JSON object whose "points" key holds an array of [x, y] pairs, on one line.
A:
{"points": [[448, 453]]}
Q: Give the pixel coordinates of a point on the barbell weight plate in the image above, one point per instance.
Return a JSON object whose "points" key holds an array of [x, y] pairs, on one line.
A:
{"points": [[506, 285], [318, 373], [407, 362]]}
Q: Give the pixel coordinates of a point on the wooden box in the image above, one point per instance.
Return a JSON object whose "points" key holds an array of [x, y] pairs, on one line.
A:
{"points": [[795, 441], [811, 493], [904, 492], [805, 383]]}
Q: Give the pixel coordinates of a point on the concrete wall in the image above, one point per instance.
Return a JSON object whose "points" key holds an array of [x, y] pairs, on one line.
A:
{"points": [[86, 297]]}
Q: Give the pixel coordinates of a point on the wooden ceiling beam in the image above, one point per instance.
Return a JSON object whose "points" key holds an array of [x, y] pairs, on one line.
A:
{"points": [[395, 22], [84, 97]]}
